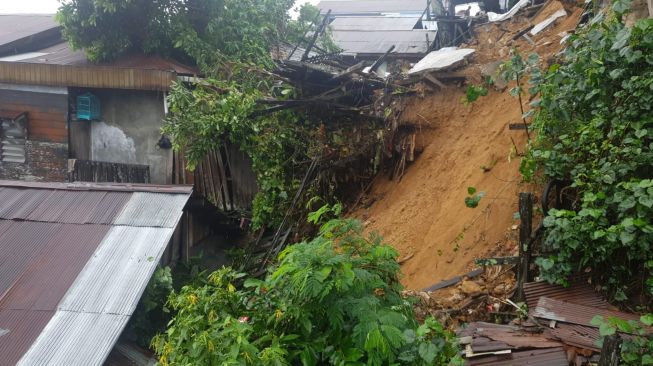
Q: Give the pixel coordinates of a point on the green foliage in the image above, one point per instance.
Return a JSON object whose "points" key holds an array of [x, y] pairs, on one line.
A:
{"points": [[214, 111], [204, 31], [151, 316], [474, 92], [636, 349], [334, 300], [595, 128], [472, 200]]}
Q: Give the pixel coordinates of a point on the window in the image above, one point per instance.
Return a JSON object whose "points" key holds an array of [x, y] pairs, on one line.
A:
{"points": [[13, 135]]}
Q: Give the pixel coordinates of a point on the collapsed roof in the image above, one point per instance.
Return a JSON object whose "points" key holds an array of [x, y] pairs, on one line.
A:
{"points": [[74, 262]]}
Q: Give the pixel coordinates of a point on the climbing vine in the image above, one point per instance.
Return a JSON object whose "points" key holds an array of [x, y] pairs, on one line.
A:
{"points": [[595, 130]]}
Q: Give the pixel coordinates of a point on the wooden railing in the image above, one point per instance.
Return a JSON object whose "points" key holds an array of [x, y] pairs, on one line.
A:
{"points": [[101, 171]]}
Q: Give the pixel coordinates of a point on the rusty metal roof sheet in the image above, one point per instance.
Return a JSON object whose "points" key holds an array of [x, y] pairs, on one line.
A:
{"points": [[537, 357], [577, 336], [578, 292], [567, 312], [70, 276], [20, 337], [40, 261]]}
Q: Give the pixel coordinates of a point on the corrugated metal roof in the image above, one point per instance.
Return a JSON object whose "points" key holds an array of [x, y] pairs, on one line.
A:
{"points": [[82, 279], [110, 187], [577, 335], [567, 312], [40, 261], [23, 326], [99, 288], [152, 209], [378, 23], [72, 338], [538, 357], [578, 292], [409, 42], [372, 6], [70, 207]]}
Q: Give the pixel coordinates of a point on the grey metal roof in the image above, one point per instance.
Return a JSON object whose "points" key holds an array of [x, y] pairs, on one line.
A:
{"points": [[18, 26], [409, 42], [151, 209], [74, 262], [353, 7], [378, 23]]}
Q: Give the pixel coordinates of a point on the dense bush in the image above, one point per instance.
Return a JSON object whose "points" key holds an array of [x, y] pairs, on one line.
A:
{"points": [[334, 300], [595, 129]]}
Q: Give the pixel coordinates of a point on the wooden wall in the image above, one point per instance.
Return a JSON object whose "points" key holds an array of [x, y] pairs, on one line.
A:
{"points": [[86, 76], [46, 113], [224, 178]]}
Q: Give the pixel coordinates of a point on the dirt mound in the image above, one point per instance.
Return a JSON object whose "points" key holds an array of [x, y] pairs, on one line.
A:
{"points": [[424, 214]]}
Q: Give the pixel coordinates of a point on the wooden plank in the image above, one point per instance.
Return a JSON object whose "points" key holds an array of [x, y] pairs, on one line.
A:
{"points": [[454, 280], [518, 126], [434, 81], [86, 76], [497, 261]]}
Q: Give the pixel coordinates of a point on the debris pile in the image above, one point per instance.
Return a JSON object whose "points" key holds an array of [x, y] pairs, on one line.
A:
{"points": [[558, 330], [479, 295]]}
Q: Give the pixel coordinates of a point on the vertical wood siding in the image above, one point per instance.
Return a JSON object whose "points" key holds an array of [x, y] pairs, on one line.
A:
{"points": [[46, 113]]}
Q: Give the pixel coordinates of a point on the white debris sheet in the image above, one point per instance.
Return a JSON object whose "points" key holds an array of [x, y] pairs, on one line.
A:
{"points": [[548, 21], [442, 59], [494, 17]]}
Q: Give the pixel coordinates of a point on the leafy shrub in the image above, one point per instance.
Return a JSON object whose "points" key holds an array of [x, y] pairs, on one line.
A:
{"points": [[637, 349], [334, 300], [472, 200], [473, 93], [595, 128]]}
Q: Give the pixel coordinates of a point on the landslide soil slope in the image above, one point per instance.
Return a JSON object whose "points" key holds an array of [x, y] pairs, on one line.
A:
{"points": [[424, 215]]}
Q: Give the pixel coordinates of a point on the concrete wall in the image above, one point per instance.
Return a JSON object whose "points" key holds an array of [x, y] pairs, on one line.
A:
{"points": [[44, 161], [128, 131]]}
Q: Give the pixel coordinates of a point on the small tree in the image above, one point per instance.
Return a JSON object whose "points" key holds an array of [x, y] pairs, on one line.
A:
{"points": [[334, 300]]}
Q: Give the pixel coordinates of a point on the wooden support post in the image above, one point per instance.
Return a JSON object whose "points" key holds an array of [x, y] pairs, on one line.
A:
{"points": [[526, 218], [610, 351], [317, 33], [380, 60]]}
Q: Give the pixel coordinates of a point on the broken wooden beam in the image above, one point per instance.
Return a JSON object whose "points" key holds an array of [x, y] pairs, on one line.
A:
{"points": [[522, 32], [380, 60], [454, 280], [432, 79], [317, 33], [518, 126], [497, 261], [350, 70]]}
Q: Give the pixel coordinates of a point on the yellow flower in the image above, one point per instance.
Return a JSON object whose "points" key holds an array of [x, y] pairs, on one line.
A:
{"points": [[278, 314]]}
